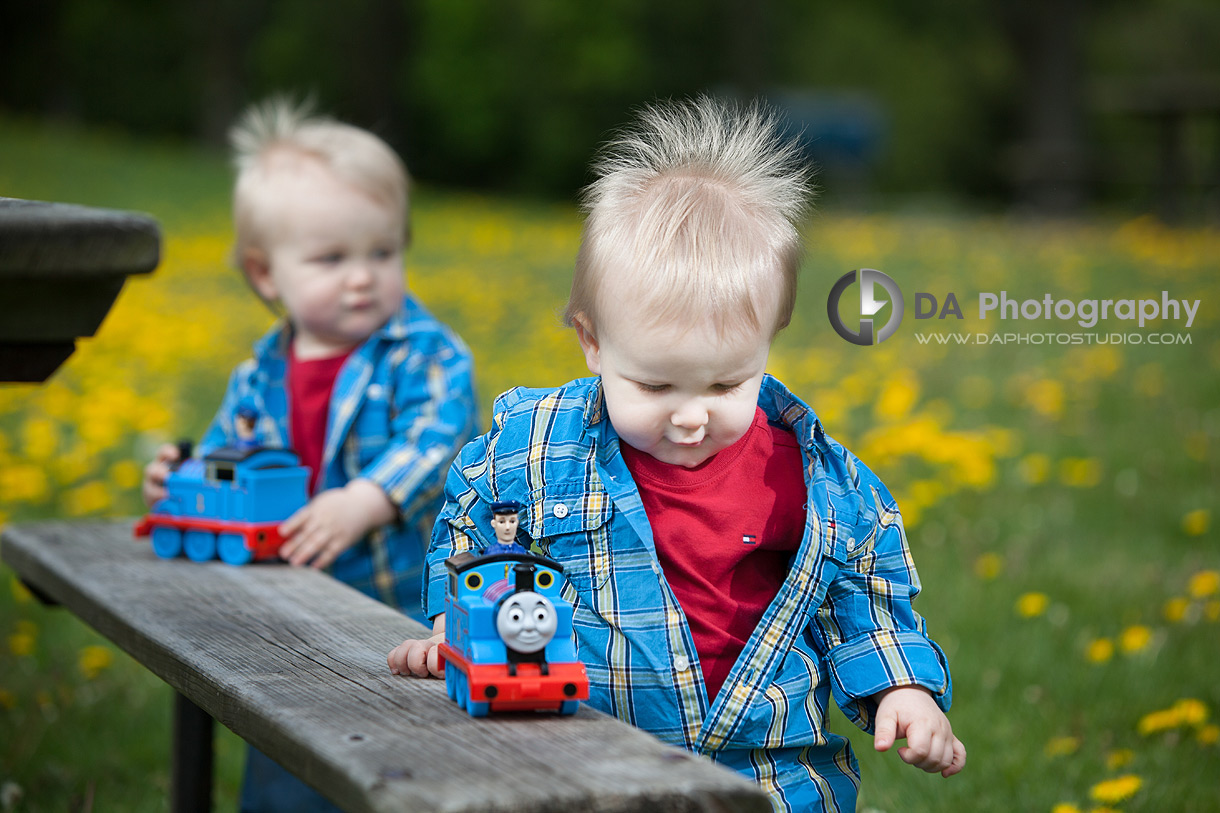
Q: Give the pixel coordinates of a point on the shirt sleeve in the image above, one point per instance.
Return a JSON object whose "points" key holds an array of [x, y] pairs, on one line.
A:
{"points": [[872, 635], [435, 416], [461, 525]]}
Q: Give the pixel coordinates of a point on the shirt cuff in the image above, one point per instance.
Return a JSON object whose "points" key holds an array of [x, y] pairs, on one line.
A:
{"points": [[882, 660]]}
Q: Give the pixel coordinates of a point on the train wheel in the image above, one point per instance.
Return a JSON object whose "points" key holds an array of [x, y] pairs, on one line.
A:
{"points": [[451, 680], [569, 706], [478, 709], [167, 542], [463, 691], [233, 550], [200, 546]]}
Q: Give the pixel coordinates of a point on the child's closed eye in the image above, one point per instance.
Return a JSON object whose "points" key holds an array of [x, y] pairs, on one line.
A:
{"points": [[652, 388], [725, 389], [329, 258]]}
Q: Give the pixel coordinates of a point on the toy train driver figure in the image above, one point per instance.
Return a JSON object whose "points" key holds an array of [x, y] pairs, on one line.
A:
{"points": [[243, 424], [504, 522]]}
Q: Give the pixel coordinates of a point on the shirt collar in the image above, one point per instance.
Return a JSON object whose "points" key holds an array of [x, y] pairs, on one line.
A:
{"points": [[408, 319]]}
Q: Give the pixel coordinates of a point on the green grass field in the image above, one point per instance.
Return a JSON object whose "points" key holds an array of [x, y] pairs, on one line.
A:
{"points": [[1060, 498]]}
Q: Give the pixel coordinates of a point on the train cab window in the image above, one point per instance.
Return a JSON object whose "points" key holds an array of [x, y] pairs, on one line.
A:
{"points": [[221, 470]]}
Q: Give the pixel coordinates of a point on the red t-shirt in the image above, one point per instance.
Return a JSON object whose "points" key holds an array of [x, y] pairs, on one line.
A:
{"points": [[724, 533], [309, 388]]}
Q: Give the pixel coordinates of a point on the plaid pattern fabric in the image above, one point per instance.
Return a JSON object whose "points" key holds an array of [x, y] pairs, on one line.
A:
{"points": [[841, 623], [402, 406]]}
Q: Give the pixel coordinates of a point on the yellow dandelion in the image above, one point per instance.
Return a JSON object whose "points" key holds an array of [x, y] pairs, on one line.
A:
{"points": [[1134, 638], [1065, 807], [126, 474], [988, 566], [1175, 609], [93, 660], [1034, 468], [1061, 746], [1080, 472], [1045, 397], [897, 396], [1032, 605], [1204, 583], [1118, 758], [1157, 721], [1208, 734], [1196, 523], [91, 498], [8, 700], [1117, 789], [24, 640], [1191, 711], [1100, 650]]}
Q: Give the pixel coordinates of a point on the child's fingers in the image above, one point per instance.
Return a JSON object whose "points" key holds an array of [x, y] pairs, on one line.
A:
{"points": [[883, 737], [293, 524], [434, 654], [397, 659], [959, 759]]}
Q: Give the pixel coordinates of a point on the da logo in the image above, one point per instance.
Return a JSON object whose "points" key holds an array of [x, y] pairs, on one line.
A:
{"points": [[870, 306]]}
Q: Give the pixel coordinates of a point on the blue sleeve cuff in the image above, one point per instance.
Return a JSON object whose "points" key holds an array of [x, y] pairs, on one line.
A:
{"points": [[882, 660]]}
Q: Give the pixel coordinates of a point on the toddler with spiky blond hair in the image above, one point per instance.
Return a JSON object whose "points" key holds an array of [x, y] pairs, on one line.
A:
{"points": [[730, 565]]}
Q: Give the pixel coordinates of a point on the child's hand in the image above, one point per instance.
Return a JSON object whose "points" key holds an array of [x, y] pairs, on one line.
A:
{"points": [[419, 658], [333, 521], [156, 472], [910, 712]]}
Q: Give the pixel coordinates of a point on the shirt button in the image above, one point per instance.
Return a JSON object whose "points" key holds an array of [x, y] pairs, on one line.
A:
{"points": [[851, 543], [560, 510], [375, 391], [682, 663]]}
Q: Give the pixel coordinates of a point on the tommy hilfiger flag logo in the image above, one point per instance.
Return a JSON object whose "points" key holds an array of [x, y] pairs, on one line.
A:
{"points": [[749, 539]]}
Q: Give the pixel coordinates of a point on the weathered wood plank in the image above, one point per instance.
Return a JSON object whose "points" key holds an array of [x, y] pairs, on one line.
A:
{"points": [[294, 662]]}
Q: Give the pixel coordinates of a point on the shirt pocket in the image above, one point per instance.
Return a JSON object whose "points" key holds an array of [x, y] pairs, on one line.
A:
{"points": [[791, 710], [853, 533], [572, 526]]}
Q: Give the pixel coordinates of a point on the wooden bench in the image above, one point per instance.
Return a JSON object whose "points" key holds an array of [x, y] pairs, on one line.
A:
{"points": [[294, 662]]}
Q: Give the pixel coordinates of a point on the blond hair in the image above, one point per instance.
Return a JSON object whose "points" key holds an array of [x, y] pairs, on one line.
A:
{"points": [[275, 135], [696, 207]]}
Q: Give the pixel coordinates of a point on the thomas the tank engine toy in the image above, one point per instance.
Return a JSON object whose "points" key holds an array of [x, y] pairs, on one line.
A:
{"points": [[228, 505], [508, 631]]}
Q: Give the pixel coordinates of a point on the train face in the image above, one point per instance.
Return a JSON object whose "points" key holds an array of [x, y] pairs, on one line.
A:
{"points": [[228, 505], [508, 636]]}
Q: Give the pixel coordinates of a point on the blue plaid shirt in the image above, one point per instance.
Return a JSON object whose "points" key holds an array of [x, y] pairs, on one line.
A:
{"points": [[402, 405], [841, 622]]}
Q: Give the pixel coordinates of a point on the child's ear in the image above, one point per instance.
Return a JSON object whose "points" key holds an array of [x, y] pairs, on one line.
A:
{"points": [[588, 344], [256, 265]]}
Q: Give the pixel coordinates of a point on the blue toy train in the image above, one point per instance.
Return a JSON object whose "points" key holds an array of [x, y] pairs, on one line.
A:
{"points": [[508, 636], [228, 505]]}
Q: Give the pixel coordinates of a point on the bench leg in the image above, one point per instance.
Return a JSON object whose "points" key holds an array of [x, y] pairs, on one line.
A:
{"points": [[191, 777]]}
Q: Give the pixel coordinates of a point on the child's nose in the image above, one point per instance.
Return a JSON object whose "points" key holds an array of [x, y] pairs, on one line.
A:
{"points": [[691, 415], [360, 275]]}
